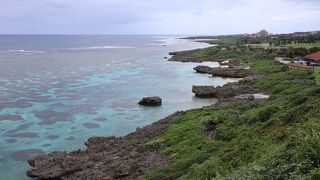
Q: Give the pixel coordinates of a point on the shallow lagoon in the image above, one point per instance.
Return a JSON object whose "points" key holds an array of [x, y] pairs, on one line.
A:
{"points": [[55, 92]]}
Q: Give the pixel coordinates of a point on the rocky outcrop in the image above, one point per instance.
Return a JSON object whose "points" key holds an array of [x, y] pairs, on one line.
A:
{"points": [[204, 91], [189, 56], [203, 69], [251, 97], [224, 72], [151, 101], [226, 91], [128, 157], [231, 72]]}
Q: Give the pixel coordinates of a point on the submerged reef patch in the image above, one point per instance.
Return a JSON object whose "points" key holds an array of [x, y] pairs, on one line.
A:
{"points": [[25, 155]]}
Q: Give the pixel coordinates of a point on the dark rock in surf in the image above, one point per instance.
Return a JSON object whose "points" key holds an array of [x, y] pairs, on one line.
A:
{"points": [[151, 101], [172, 53], [203, 69], [204, 91]]}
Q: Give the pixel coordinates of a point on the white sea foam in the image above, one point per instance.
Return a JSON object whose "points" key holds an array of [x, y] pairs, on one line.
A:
{"points": [[164, 41], [19, 51], [22, 51], [99, 47], [157, 44]]}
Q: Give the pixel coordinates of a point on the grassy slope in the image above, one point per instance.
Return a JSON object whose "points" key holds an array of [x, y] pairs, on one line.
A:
{"points": [[278, 138], [304, 45], [317, 74]]}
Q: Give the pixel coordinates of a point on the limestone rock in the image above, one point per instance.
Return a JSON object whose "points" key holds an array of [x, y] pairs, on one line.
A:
{"points": [[151, 101]]}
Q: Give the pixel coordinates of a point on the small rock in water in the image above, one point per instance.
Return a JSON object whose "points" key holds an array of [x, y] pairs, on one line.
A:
{"points": [[251, 97], [151, 101]]}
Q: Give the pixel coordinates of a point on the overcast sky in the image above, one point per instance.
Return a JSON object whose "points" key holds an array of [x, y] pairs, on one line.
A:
{"points": [[157, 16]]}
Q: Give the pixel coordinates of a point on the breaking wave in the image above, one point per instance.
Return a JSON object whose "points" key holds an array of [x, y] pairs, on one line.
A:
{"points": [[100, 47]]}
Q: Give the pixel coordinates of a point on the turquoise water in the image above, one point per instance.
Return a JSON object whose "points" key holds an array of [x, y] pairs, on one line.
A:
{"points": [[57, 91]]}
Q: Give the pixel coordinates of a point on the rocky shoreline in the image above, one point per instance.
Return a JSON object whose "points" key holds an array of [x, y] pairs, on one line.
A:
{"points": [[227, 91], [224, 72], [131, 156], [105, 158]]}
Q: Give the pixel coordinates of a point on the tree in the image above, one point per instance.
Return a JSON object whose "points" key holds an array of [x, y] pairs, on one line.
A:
{"points": [[291, 55]]}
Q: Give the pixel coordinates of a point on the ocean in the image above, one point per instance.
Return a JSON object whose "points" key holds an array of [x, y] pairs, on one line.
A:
{"points": [[56, 91]]}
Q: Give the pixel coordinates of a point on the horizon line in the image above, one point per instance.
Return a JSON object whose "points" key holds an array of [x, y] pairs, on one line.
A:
{"points": [[156, 34]]}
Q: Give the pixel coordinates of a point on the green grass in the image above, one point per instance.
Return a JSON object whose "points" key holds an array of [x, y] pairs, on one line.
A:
{"points": [[206, 52], [276, 138], [257, 60], [261, 45], [304, 45], [317, 74]]}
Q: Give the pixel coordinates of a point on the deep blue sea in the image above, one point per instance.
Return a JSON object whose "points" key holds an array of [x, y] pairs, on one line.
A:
{"points": [[58, 90]]}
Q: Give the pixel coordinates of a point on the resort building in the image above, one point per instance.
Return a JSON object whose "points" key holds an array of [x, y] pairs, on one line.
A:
{"points": [[262, 33], [314, 58]]}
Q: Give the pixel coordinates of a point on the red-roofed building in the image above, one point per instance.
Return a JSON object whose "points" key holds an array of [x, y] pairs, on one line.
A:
{"points": [[313, 57]]}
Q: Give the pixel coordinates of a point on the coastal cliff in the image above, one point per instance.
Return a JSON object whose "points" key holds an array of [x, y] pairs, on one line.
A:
{"points": [[234, 139]]}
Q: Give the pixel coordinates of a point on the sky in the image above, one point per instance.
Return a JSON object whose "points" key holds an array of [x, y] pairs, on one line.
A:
{"points": [[188, 17]]}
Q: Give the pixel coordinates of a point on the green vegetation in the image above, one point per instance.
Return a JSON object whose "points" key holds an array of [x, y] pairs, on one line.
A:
{"points": [[304, 45], [257, 58], [261, 45], [228, 40], [317, 74], [278, 138], [283, 40], [277, 41]]}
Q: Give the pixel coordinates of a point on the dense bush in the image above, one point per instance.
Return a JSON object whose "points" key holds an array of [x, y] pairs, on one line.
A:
{"points": [[315, 174]]}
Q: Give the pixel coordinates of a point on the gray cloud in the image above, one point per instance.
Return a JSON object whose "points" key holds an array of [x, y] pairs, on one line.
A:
{"points": [[161, 17]]}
